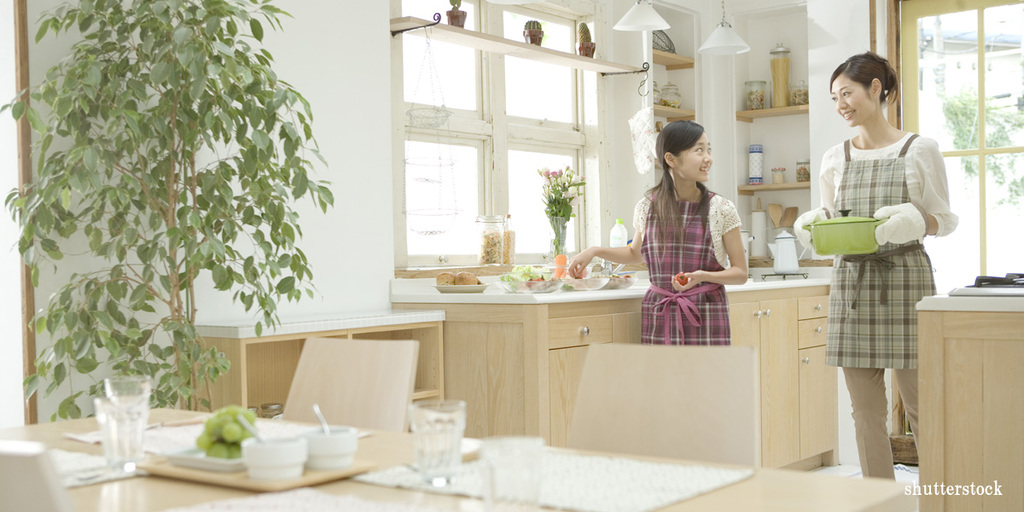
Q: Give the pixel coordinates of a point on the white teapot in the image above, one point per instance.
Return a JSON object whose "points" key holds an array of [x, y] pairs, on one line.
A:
{"points": [[784, 252]]}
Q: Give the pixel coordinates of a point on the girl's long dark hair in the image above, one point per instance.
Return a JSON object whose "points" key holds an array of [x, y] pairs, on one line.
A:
{"points": [[676, 137]]}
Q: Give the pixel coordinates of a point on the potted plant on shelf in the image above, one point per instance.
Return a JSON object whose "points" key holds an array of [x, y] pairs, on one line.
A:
{"points": [[586, 46], [168, 152], [456, 17], [532, 32]]}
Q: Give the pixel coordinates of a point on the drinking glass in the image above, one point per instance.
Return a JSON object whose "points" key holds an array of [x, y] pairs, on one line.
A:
{"points": [[437, 427], [511, 473], [122, 428], [127, 388]]}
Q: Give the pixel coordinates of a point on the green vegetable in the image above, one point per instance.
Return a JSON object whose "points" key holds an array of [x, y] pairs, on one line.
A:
{"points": [[524, 273]]}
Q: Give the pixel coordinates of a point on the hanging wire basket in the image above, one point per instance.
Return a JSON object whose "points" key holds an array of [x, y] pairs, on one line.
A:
{"points": [[428, 117], [430, 222], [662, 42]]}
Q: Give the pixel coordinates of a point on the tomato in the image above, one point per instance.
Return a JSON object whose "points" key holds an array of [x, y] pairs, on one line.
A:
{"points": [[682, 279]]}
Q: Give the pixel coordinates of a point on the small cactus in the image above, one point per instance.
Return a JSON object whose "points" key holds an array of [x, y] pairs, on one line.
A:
{"points": [[532, 25], [583, 33], [455, 4]]}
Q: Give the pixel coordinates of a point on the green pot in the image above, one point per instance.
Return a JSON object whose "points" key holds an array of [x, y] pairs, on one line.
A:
{"points": [[844, 235]]}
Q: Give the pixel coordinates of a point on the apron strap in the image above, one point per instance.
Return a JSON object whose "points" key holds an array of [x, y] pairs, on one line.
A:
{"points": [[846, 147], [882, 262], [903, 152]]}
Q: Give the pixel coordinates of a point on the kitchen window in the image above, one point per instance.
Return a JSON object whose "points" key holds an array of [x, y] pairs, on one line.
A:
{"points": [[510, 117], [963, 85]]}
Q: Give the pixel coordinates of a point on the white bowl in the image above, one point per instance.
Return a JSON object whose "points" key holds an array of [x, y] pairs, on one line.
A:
{"points": [[587, 283], [335, 451], [275, 458], [621, 280], [545, 286]]}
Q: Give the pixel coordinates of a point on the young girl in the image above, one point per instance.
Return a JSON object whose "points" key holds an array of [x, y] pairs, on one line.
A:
{"points": [[682, 228], [883, 172]]}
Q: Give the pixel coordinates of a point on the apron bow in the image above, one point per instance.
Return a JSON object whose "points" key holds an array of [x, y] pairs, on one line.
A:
{"points": [[682, 301], [882, 262]]}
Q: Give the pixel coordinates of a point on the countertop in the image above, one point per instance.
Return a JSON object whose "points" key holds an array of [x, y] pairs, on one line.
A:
{"points": [[423, 291], [968, 303], [353, 320]]}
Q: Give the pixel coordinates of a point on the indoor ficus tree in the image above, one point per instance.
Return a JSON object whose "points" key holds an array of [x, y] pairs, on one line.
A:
{"points": [[167, 148]]}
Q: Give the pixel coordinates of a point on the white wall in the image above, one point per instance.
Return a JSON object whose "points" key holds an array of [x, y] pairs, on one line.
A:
{"points": [[11, 402]]}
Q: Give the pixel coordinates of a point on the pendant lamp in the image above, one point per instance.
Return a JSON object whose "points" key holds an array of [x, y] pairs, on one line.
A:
{"points": [[641, 17], [724, 40]]}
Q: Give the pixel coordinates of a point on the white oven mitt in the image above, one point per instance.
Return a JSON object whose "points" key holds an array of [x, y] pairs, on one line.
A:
{"points": [[807, 218], [905, 224], [641, 127]]}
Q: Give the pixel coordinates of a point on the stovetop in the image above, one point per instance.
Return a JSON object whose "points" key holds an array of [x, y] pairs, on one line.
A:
{"points": [[1009, 280], [1012, 285]]}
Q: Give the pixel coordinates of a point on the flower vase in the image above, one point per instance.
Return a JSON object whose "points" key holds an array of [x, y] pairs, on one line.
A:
{"points": [[558, 230]]}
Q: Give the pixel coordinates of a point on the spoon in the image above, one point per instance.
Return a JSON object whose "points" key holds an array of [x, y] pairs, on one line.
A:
{"points": [[323, 421], [248, 426], [618, 268]]}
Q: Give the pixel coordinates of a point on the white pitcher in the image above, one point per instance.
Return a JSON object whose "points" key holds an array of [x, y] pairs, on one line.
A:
{"points": [[784, 253]]}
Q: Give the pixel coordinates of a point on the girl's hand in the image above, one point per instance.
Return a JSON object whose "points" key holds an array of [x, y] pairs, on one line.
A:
{"points": [[685, 280], [578, 264]]}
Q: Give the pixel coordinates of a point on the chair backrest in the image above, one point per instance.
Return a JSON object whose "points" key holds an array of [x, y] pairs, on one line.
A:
{"points": [[358, 382], [28, 479], [683, 402]]}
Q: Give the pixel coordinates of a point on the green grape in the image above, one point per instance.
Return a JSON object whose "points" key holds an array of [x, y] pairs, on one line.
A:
{"points": [[232, 432], [234, 451], [204, 441], [219, 450], [223, 433]]}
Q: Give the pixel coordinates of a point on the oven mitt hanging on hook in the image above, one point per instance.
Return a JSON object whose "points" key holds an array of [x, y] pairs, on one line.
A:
{"points": [[641, 127]]}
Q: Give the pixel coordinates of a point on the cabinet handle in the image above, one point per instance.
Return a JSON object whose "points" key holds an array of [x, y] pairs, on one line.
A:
{"points": [[818, 330], [818, 307], [585, 330], [807, 360], [757, 314], [767, 312]]}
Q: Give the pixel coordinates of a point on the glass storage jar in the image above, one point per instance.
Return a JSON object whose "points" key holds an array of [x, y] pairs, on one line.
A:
{"points": [[755, 94], [803, 170], [492, 231], [670, 95], [780, 76], [798, 93]]}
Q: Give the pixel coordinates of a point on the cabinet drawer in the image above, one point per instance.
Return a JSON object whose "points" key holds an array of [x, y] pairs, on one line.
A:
{"points": [[813, 332], [579, 330], [813, 307]]}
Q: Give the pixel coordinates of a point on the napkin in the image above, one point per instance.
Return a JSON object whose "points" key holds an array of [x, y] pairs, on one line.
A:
{"points": [[77, 469]]}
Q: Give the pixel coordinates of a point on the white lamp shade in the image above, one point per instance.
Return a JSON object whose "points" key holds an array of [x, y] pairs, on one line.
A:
{"points": [[724, 41], [640, 17]]}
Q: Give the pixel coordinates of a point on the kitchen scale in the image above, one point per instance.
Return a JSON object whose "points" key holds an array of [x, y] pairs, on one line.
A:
{"points": [[988, 286]]}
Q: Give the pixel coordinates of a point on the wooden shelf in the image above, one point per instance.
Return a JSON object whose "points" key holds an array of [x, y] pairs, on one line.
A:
{"points": [[495, 44], [749, 115], [674, 114], [672, 61], [748, 190]]}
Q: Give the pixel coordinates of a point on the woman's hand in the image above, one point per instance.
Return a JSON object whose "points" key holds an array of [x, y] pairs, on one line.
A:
{"points": [[685, 280], [578, 264]]}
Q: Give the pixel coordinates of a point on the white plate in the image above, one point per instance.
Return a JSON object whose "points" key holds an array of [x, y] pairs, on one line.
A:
{"points": [[460, 288], [196, 459]]}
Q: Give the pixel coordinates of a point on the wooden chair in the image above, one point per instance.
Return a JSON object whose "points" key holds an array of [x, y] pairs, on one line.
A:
{"points": [[683, 402], [28, 479], [359, 382]]}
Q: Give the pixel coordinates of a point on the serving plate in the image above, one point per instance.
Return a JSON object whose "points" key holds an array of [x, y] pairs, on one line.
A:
{"points": [[196, 459], [461, 288], [546, 286]]}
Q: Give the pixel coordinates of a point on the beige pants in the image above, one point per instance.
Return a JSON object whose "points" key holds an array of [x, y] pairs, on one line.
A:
{"points": [[870, 410]]}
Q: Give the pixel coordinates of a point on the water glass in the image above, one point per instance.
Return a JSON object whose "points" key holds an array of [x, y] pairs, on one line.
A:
{"points": [[122, 428], [437, 427], [511, 472], [127, 388]]}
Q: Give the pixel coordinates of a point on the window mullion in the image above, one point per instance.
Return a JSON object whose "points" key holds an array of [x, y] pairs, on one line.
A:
{"points": [[495, 171]]}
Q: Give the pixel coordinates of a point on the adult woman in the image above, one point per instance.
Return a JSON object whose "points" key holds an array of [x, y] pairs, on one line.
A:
{"points": [[681, 227], [882, 172]]}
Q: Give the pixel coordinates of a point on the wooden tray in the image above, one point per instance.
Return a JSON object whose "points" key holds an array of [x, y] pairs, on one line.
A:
{"points": [[160, 466]]}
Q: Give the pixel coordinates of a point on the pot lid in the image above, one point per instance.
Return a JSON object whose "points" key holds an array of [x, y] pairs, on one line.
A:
{"points": [[784, 235], [843, 220], [779, 50]]}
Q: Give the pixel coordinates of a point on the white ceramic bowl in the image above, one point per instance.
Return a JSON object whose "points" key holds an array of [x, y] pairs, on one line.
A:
{"points": [[546, 286], [276, 458], [335, 451]]}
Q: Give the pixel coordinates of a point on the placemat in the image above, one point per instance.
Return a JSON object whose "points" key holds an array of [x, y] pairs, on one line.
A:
{"points": [[587, 483], [303, 500], [76, 469]]}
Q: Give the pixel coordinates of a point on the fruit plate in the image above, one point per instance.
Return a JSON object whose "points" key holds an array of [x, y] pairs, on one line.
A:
{"points": [[196, 459], [461, 288]]}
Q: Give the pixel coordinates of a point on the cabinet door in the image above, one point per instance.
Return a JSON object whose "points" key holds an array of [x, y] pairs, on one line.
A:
{"points": [[818, 410], [565, 367], [745, 324], [780, 402]]}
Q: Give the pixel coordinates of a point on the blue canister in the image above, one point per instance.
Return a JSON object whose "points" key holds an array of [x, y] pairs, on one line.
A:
{"points": [[755, 164]]}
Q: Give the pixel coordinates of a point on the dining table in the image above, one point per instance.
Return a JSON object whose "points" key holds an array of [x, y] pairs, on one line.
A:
{"points": [[765, 490]]}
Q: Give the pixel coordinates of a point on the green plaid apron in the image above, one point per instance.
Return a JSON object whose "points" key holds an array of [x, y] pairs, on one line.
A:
{"points": [[872, 305]]}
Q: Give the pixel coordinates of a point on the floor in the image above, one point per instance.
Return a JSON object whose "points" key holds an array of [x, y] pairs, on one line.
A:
{"points": [[906, 474]]}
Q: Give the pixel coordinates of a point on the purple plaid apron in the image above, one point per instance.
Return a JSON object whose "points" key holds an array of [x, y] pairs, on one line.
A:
{"points": [[698, 316]]}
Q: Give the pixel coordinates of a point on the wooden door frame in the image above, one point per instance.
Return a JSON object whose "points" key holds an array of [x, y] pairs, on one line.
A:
{"points": [[21, 77]]}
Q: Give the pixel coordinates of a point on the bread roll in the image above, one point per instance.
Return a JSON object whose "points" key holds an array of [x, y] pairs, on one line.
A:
{"points": [[463, 278], [446, 278]]}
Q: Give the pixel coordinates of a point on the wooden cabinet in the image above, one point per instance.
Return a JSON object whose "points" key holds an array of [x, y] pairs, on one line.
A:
{"points": [[798, 391], [262, 367]]}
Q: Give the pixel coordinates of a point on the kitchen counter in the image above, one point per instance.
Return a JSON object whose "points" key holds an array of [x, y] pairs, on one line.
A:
{"points": [[972, 303], [423, 291]]}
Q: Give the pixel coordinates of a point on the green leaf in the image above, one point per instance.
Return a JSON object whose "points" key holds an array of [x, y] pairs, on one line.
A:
{"points": [[90, 158], [286, 285], [161, 70], [36, 121], [257, 29], [18, 109]]}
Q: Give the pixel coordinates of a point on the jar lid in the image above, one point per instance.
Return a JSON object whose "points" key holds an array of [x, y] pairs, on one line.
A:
{"points": [[779, 50], [756, 148]]}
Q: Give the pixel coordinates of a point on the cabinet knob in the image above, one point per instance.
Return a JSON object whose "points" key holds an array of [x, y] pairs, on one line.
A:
{"points": [[818, 307], [807, 360], [585, 330], [818, 330], [767, 312], [757, 314], [442, 258]]}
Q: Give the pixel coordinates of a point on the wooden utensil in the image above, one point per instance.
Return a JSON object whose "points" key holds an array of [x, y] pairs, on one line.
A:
{"points": [[775, 213], [789, 217]]}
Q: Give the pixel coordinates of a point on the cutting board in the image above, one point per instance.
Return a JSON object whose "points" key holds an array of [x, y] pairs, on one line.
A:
{"points": [[160, 466]]}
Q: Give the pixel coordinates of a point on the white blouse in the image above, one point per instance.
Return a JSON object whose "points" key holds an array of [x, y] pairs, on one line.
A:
{"points": [[925, 175], [722, 218]]}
